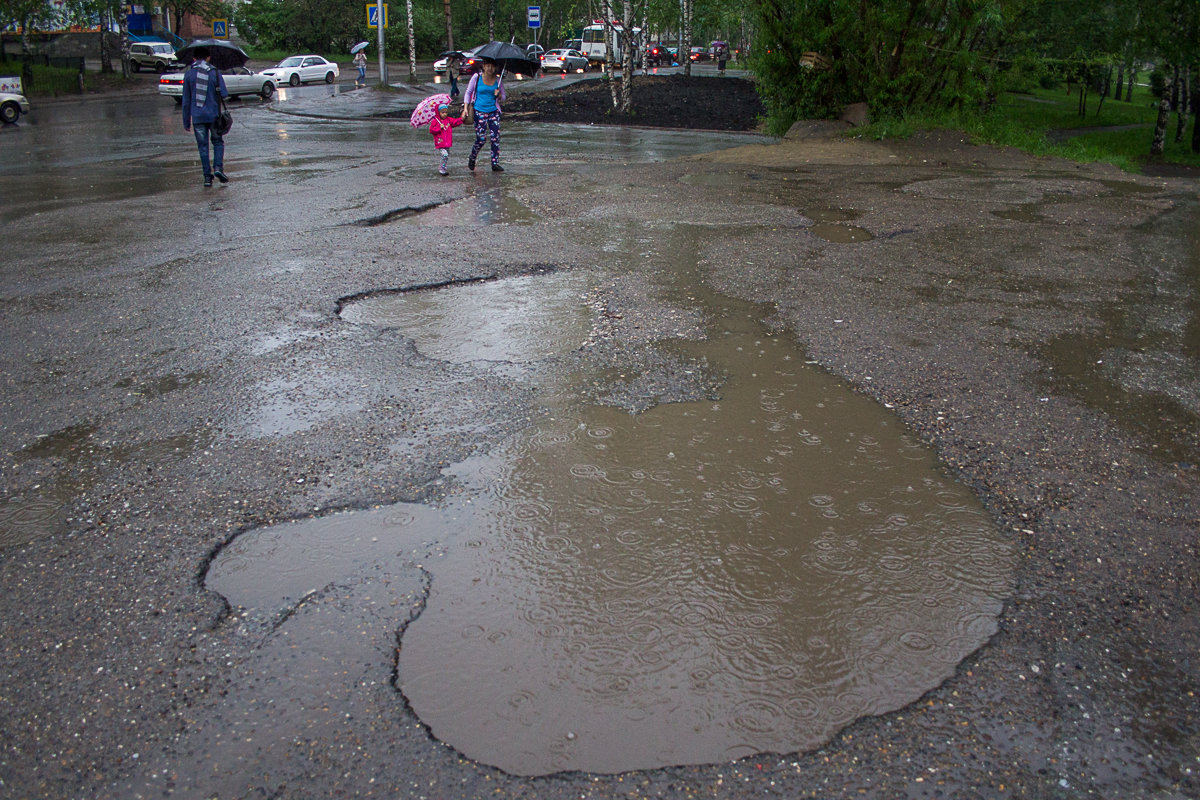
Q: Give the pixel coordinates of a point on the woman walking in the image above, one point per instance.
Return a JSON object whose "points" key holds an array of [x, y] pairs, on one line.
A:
{"points": [[360, 62], [481, 103]]}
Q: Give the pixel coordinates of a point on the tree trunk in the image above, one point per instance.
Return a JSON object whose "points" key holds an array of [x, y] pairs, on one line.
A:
{"points": [[685, 43], [1129, 87], [491, 20], [645, 36], [609, 56], [1119, 82], [412, 45], [1160, 126], [106, 64], [1195, 119], [26, 51], [1182, 93], [123, 28], [449, 25], [625, 102]]}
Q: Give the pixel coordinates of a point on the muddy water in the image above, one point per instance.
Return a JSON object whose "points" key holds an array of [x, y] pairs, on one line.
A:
{"points": [[521, 319], [697, 583]]}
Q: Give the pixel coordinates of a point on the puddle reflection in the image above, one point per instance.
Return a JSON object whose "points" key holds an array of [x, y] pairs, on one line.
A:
{"points": [[486, 207], [690, 585]]}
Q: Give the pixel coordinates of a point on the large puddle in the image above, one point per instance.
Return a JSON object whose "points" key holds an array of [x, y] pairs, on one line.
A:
{"points": [[700, 582]]}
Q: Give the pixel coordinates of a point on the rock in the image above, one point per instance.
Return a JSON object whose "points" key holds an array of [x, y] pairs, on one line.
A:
{"points": [[856, 114], [814, 128]]}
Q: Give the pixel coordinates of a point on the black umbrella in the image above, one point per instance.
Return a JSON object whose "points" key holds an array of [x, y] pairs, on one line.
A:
{"points": [[224, 55], [508, 57], [449, 53]]}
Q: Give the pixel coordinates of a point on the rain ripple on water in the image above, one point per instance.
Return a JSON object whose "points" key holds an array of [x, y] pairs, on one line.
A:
{"points": [[701, 582]]}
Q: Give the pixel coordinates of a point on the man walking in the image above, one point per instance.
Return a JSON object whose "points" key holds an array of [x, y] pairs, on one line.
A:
{"points": [[203, 87]]}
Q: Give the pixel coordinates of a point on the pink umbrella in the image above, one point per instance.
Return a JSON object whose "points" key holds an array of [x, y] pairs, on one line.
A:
{"points": [[427, 109]]}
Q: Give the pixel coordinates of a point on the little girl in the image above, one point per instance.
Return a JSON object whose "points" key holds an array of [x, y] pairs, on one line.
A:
{"points": [[441, 127]]}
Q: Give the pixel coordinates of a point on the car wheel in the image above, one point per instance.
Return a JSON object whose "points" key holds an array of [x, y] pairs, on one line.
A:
{"points": [[10, 112], [268, 91], [160, 68], [178, 101], [295, 79], [329, 77], [135, 66]]}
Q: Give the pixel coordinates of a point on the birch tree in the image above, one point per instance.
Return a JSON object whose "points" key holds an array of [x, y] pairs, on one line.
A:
{"points": [[412, 44]]}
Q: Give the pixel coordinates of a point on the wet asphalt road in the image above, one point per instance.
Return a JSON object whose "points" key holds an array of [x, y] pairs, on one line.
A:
{"points": [[175, 373]]}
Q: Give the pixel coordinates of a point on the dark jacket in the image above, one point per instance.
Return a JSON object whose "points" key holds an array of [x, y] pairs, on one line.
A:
{"points": [[201, 83]]}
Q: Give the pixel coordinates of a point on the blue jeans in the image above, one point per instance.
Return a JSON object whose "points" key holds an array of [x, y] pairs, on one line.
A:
{"points": [[203, 131], [362, 75]]}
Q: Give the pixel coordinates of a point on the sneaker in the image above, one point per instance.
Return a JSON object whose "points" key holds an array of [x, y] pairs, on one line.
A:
{"points": [[471, 164], [208, 181], [497, 168], [221, 176], [443, 171]]}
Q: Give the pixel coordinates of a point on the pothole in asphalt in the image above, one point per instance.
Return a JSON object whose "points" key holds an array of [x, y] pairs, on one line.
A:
{"points": [[697, 583], [489, 206], [840, 234], [516, 320], [829, 224]]}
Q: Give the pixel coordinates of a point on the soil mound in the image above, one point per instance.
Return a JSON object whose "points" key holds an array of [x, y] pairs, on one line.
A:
{"points": [[659, 101]]}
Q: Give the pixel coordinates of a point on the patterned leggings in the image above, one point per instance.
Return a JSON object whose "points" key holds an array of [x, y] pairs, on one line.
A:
{"points": [[487, 124]]}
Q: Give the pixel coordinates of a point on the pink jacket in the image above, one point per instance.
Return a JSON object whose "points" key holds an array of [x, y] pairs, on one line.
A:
{"points": [[442, 131]]}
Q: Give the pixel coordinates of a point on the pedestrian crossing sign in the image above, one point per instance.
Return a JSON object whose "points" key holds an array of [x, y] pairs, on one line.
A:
{"points": [[220, 29], [373, 15]]}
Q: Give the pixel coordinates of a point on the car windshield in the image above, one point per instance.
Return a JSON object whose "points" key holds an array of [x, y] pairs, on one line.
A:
{"points": [[294, 61], [163, 48]]}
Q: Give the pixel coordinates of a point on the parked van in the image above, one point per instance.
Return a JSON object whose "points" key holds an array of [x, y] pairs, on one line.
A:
{"points": [[593, 44]]}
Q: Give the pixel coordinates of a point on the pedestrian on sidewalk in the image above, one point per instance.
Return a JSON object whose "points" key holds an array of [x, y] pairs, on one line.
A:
{"points": [[442, 127], [481, 102], [360, 61], [203, 90], [453, 65]]}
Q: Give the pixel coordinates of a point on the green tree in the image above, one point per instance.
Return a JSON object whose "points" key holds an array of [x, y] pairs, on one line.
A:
{"points": [[895, 55]]}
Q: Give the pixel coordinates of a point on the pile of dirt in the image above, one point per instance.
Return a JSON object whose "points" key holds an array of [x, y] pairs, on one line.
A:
{"points": [[659, 101]]}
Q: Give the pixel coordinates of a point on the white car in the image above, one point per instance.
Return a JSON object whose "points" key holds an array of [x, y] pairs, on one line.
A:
{"points": [[239, 81], [565, 60], [296, 70], [12, 106]]}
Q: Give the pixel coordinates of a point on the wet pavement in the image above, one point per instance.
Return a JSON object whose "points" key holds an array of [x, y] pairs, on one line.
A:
{"points": [[699, 465]]}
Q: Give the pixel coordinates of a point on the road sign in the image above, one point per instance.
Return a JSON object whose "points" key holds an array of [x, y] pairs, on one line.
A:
{"points": [[220, 29], [373, 15], [535, 16]]}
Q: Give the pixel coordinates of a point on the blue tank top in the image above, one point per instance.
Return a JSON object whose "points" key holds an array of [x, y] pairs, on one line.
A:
{"points": [[485, 96]]}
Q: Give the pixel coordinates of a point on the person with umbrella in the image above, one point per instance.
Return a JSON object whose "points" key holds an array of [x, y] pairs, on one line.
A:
{"points": [[481, 103], [453, 65], [360, 61], [203, 91]]}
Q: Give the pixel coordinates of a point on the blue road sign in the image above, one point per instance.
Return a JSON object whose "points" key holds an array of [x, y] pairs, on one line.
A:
{"points": [[373, 15], [535, 16], [220, 29]]}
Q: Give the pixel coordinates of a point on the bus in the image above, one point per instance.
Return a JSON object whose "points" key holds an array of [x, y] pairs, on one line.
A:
{"points": [[595, 37]]}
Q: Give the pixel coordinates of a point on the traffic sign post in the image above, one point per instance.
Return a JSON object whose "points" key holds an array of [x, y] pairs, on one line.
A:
{"points": [[535, 16], [373, 15], [373, 22], [220, 29]]}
